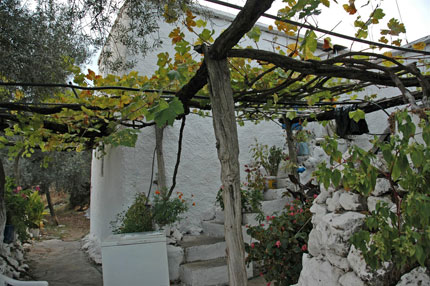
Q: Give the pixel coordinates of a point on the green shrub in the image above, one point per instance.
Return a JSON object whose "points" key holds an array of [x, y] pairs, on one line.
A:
{"points": [[24, 208], [143, 215], [280, 243]]}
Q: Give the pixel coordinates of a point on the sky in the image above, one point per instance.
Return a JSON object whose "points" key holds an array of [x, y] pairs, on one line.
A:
{"points": [[414, 13]]}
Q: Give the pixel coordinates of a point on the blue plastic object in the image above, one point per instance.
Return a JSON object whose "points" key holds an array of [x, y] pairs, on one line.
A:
{"points": [[301, 170]]}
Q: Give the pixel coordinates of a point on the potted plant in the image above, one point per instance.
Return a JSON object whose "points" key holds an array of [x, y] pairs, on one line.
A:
{"points": [[269, 159], [137, 247]]}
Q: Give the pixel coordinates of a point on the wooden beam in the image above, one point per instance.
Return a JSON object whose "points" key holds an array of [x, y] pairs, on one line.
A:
{"points": [[319, 69]]}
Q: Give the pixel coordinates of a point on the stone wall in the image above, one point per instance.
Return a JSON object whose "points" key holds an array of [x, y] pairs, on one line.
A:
{"points": [[332, 260], [12, 262]]}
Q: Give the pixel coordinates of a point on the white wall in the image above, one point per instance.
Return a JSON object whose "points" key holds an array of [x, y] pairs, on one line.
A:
{"points": [[127, 171]]}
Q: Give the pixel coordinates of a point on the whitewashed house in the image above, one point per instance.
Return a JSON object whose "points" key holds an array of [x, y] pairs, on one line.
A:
{"points": [[123, 172]]}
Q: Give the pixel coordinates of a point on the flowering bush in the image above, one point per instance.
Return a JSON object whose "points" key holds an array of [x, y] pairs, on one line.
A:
{"points": [[144, 215], [24, 208], [280, 242]]}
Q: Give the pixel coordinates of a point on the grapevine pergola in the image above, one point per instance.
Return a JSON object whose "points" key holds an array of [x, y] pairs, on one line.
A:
{"points": [[306, 84]]}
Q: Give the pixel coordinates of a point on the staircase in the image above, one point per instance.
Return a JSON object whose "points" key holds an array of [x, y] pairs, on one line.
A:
{"points": [[205, 255]]}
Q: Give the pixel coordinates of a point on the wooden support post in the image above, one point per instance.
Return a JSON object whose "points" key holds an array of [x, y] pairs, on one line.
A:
{"points": [[161, 177], [224, 121]]}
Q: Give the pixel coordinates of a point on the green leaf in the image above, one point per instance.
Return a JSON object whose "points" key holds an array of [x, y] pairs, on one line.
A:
{"points": [[420, 255], [124, 137], [397, 170], [200, 23], [169, 114], [206, 35], [357, 115], [254, 34], [335, 177]]}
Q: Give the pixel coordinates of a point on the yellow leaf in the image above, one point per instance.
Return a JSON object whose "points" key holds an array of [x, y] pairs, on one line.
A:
{"points": [[19, 94], [270, 27], [326, 3], [419, 46], [388, 63], [294, 47]]}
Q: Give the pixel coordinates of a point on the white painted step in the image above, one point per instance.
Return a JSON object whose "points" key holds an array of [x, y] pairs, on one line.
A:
{"points": [[213, 228], [202, 247], [270, 207], [216, 229], [206, 273]]}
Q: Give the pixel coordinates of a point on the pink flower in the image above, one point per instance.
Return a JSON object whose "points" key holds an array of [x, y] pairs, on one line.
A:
{"points": [[15, 191], [278, 243], [291, 208], [300, 210], [252, 245], [268, 283], [315, 196], [268, 218], [304, 247], [38, 188], [24, 196], [273, 217], [291, 213], [262, 224]]}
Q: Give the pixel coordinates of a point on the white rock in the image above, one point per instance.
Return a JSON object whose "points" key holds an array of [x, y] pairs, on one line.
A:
{"points": [[372, 201], [350, 279], [335, 230], [314, 243], [175, 257], [338, 261], [19, 255], [324, 195], [417, 276], [318, 212], [333, 202], [351, 201], [177, 235], [382, 187], [362, 270], [318, 272], [349, 221]]}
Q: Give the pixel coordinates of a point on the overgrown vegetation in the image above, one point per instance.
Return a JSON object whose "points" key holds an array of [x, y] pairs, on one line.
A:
{"points": [[399, 236], [279, 242]]}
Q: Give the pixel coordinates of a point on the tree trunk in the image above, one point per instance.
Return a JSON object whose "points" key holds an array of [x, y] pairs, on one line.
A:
{"points": [[292, 153], [2, 202], [161, 178], [227, 144], [45, 189]]}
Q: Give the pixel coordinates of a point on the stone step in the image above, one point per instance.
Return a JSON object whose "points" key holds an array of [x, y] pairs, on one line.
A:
{"points": [[270, 207], [216, 229], [202, 247], [273, 194], [213, 228], [206, 273]]}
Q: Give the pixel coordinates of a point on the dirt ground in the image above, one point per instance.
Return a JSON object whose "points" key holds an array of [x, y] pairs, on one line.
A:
{"points": [[73, 225]]}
